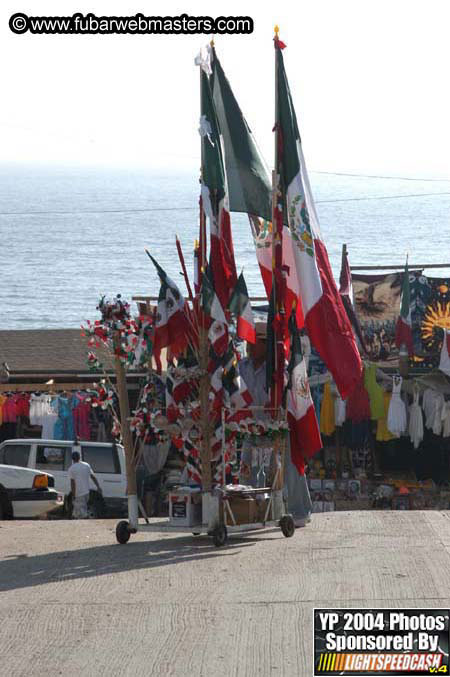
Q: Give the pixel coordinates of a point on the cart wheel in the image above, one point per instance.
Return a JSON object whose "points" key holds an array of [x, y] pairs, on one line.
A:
{"points": [[220, 535], [123, 532], [287, 525]]}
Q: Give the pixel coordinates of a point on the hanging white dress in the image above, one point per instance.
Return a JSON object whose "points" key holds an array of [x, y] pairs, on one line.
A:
{"points": [[428, 407], [39, 407], [340, 407], [415, 428], [396, 421], [433, 402]]}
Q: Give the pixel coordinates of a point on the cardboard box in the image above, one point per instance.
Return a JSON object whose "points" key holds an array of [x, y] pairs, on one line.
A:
{"points": [[244, 510]]}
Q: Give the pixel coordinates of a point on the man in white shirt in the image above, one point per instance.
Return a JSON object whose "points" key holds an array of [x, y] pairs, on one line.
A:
{"points": [[79, 474]]}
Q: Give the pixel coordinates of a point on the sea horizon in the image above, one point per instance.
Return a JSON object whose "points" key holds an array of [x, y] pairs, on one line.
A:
{"points": [[71, 234]]}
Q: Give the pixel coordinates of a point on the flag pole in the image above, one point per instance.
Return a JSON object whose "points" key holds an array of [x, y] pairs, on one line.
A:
{"points": [[127, 437], [203, 357], [274, 397], [276, 258], [183, 268]]}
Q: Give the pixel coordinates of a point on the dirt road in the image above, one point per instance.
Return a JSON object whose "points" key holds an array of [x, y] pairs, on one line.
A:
{"points": [[73, 602]]}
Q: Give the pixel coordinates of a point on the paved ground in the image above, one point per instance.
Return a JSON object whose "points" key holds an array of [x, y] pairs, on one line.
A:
{"points": [[73, 602]]}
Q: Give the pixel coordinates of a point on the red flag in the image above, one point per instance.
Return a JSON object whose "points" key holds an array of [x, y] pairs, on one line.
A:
{"points": [[326, 321], [303, 427]]}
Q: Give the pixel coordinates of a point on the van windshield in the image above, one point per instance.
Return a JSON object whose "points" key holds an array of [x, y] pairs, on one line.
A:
{"points": [[101, 459]]}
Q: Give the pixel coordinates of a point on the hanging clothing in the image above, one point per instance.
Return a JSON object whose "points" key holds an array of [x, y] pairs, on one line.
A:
{"points": [[64, 424], [433, 402], [40, 406], [48, 426], [358, 404], [327, 420], [9, 410], [415, 427], [48, 420], [3, 399], [23, 405], [396, 421], [375, 392], [80, 412], [340, 407]]}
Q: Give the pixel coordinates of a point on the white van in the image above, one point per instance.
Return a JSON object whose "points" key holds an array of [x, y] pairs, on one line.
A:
{"points": [[55, 457]]}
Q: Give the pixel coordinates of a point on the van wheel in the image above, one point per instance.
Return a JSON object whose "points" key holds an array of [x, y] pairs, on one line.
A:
{"points": [[287, 525], [123, 532], [220, 535]]}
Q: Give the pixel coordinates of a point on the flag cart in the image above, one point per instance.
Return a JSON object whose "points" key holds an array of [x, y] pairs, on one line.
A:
{"points": [[271, 511], [227, 508], [212, 507]]}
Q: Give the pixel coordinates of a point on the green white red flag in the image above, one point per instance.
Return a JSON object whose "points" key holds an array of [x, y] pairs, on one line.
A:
{"points": [[171, 326], [403, 329], [325, 317], [214, 193], [249, 184], [211, 306], [240, 306], [303, 427], [238, 395]]}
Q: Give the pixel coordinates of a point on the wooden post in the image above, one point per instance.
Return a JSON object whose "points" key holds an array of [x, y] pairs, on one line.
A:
{"points": [[205, 450], [278, 294], [127, 438]]}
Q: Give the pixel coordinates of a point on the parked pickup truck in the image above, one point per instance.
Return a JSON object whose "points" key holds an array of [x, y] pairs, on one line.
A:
{"points": [[26, 493], [107, 461]]}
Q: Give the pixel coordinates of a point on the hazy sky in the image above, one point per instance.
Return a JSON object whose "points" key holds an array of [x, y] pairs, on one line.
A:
{"points": [[369, 80]]}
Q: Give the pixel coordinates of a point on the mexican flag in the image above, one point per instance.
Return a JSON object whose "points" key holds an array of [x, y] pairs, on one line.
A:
{"points": [[240, 306], [211, 306], [249, 184], [172, 326], [325, 318], [262, 239], [214, 196], [234, 385], [403, 329], [303, 427]]}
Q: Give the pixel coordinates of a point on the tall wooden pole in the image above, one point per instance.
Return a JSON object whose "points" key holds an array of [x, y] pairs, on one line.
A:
{"points": [[127, 438], [204, 385], [277, 248]]}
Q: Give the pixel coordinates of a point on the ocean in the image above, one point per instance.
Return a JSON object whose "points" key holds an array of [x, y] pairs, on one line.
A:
{"points": [[68, 236]]}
